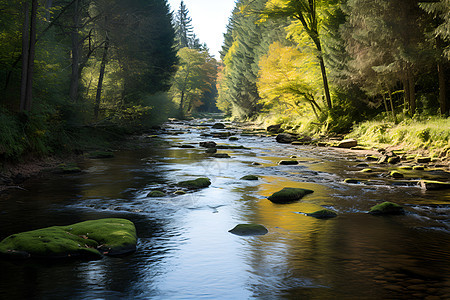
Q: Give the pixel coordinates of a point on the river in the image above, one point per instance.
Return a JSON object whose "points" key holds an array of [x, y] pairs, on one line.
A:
{"points": [[185, 251]]}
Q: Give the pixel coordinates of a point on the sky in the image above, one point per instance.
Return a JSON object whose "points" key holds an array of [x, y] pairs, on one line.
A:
{"points": [[209, 18]]}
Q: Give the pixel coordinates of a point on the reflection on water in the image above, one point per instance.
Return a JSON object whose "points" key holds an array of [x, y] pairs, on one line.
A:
{"points": [[186, 252]]}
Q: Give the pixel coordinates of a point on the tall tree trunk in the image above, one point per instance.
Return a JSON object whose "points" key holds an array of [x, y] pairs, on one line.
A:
{"points": [[100, 78], [325, 82], [444, 109], [75, 77], [25, 53], [392, 106], [181, 112], [28, 52], [33, 30], [412, 93], [406, 95], [385, 103]]}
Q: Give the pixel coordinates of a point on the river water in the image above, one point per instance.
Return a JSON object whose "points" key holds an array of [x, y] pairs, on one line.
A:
{"points": [[186, 252]]}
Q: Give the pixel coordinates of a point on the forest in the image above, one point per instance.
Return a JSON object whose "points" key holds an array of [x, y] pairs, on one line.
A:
{"points": [[75, 73]]}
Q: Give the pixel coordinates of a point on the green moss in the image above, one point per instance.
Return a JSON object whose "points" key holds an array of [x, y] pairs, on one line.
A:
{"points": [[101, 154], [367, 171], [287, 195], [249, 229], [387, 208], [89, 239], [195, 184], [156, 194], [250, 177], [69, 168], [418, 168], [323, 214]]}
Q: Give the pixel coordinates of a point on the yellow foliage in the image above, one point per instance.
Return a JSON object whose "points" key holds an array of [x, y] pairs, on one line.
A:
{"points": [[288, 77]]}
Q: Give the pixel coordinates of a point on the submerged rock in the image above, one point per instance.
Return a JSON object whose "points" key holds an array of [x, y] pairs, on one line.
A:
{"points": [[156, 194], [211, 150], [387, 208], [218, 126], [423, 160], [221, 155], [396, 174], [285, 138], [208, 144], [250, 177], [69, 168], [434, 185], [187, 147], [287, 195], [249, 229], [89, 239], [195, 184], [323, 214], [288, 162], [233, 138], [101, 154]]}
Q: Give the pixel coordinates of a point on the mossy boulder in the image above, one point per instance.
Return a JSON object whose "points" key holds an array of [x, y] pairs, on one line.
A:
{"points": [[101, 154], [287, 195], [195, 184], [396, 174], [218, 126], [88, 240], [233, 138], [249, 230], [423, 160], [156, 194], [323, 214], [394, 160], [69, 168], [434, 185], [387, 208], [418, 168], [288, 162], [368, 170], [250, 177], [211, 150]]}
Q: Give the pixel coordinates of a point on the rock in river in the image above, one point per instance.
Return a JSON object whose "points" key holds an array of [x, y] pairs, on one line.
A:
{"points": [[218, 126], [208, 144], [285, 138], [250, 177], [434, 185], [287, 195], [387, 208], [347, 143], [288, 162], [249, 229], [195, 184], [89, 239], [323, 214]]}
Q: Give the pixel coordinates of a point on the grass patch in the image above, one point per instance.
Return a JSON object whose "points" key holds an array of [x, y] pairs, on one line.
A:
{"points": [[432, 134]]}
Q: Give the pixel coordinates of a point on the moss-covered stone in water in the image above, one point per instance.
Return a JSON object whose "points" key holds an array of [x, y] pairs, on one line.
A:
{"points": [[423, 160], [396, 174], [434, 185], [287, 195], [156, 194], [387, 208], [250, 177], [101, 154], [418, 168], [221, 155], [249, 229], [233, 138], [367, 171], [323, 214], [89, 239], [69, 168], [352, 180], [195, 184]]}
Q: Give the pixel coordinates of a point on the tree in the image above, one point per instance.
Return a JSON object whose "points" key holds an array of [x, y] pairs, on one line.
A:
{"points": [[306, 12], [184, 30], [28, 54], [195, 77], [289, 78], [440, 10]]}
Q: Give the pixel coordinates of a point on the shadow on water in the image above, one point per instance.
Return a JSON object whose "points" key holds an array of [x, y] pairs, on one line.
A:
{"points": [[186, 252]]}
